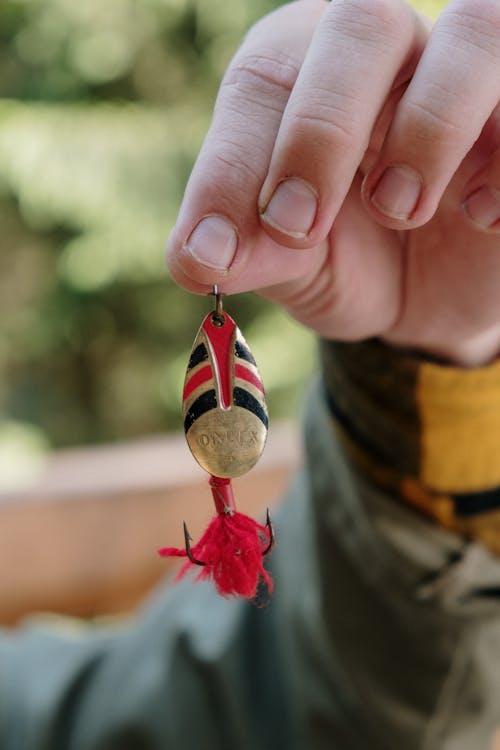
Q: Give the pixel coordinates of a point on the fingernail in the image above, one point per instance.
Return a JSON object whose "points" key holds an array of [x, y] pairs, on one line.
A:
{"points": [[213, 242], [483, 207], [397, 192], [292, 208]]}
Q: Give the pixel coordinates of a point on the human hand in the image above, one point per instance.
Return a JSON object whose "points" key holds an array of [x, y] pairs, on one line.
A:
{"points": [[330, 97]]}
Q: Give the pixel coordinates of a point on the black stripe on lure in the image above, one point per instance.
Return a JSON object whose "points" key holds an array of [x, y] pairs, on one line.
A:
{"points": [[225, 422]]}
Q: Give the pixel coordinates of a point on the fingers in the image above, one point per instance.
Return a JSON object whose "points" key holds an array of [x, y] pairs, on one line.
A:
{"points": [[355, 291], [311, 88], [454, 90], [272, 123], [358, 50], [218, 230]]}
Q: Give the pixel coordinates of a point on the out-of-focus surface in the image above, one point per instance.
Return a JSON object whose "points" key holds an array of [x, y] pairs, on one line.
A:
{"points": [[89, 548]]}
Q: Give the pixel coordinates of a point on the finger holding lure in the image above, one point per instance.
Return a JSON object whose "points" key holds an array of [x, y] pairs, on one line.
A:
{"points": [[226, 423]]}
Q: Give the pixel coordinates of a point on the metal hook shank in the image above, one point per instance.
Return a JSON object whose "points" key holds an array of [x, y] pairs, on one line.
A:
{"points": [[187, 540], [269, 526]]}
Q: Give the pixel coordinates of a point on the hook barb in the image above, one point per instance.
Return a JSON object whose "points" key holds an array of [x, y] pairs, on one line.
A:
{"points": [[187, 540]]}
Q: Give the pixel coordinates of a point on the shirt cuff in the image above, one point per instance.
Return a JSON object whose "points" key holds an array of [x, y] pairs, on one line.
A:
{"points": [[426, 431]]}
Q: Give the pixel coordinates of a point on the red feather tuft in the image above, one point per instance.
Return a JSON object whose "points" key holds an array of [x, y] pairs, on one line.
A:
{"points": [[232, 549]]}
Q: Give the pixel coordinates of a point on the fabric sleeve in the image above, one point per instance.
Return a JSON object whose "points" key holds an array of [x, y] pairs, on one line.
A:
{"points": [[424, 430], [191, 670], [402, 463]]}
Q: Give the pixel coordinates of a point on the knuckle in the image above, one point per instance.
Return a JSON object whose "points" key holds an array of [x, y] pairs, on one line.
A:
{"points": [[236, 164], [484, 12], [476, 22], [323, 126], [267, 73], [429, 123], [371, 20], [327, 116], [234, 170]]}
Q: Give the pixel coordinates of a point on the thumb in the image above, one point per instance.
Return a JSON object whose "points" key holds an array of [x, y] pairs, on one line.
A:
{"points": [[256, 262]]}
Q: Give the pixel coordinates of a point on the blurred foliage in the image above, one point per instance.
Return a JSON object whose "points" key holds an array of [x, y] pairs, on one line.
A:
{"points": [[104, 106]]}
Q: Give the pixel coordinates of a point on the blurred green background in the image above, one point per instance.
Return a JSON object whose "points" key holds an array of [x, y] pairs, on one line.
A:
{"points": [[104, 106]]}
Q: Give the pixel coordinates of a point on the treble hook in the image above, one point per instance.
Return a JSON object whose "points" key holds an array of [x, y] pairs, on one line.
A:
{"points": [[230, 510], [192, 558]]}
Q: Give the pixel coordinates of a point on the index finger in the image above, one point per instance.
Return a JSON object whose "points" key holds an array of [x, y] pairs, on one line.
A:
{"points": [[218, 237]]}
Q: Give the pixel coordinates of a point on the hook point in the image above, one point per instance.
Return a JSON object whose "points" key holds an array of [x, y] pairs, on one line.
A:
{"points": [[269, 527]]}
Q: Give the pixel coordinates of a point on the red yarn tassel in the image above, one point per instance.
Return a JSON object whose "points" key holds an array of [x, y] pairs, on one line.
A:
{"points": [[231, 550]]}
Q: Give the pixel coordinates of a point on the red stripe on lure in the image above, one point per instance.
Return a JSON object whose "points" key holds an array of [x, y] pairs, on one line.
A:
{"points": [[221, 339], [226, 427], [197, 379], [245, 373]]}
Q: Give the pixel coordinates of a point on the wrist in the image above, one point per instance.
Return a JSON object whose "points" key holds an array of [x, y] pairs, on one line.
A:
{"points": [[480, 350]]}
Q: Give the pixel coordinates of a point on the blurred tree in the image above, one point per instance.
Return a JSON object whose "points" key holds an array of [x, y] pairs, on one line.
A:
{"points": [[104, 106]]}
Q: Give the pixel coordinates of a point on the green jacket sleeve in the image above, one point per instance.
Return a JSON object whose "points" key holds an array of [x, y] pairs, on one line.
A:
{"points": [[192, 670]]}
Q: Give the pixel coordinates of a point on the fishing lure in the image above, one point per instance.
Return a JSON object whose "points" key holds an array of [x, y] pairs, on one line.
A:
{"points": [[225, 422]]}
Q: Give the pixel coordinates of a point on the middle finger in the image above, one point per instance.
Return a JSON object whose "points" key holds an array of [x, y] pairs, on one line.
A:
{"points": [[358, 50]]}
